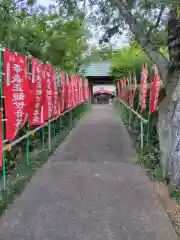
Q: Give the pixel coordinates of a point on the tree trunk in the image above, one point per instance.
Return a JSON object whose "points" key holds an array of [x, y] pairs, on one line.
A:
{"points": [[169, 114], [169, 138]]}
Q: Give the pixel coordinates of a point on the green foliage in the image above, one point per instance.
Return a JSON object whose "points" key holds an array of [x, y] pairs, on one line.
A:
{"points": [[129, 59], [149, 157], [45, 33], [156, 173], [175, 194]]}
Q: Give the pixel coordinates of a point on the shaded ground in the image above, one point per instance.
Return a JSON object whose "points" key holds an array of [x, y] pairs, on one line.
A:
{"points": [[89, 191]]}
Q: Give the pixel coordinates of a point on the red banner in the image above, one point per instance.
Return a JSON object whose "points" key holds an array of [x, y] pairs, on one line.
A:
{"points": [[155, 89], [49, 98], [86, 89], [144, 86], [135, 84], [16, 91], [81, 91], [130, 93], [73, 90], [62, 90], [67, 92], [123, 90], [77, 90], [36, 93]]}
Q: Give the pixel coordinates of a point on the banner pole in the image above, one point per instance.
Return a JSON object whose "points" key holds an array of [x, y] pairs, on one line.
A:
{"points": [[142, 126], [28, 138], [130, 113], [137, 107], [27, 147], [125, 110], [69, 121], [3, 126], [142, 137], [148, 127], [54, 128], [60, 126], [49, 135], [43, 138]]}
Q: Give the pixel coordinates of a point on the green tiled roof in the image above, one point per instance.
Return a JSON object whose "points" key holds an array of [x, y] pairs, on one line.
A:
{"points": [[98, 69]]}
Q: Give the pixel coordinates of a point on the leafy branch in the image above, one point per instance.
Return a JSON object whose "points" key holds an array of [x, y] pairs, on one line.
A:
{"points": [[151, 50]]}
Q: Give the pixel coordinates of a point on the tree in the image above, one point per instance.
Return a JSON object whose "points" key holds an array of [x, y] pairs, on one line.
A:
{"points": [[48, 34], [102, 52], [121, 66]]}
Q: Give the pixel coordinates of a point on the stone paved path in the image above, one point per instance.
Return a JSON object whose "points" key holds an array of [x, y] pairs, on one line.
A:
{"points": [[89, 190]]}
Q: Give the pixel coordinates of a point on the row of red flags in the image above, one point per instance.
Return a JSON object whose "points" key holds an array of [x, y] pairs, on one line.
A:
{"points": [[31, 93], [127, 93]]}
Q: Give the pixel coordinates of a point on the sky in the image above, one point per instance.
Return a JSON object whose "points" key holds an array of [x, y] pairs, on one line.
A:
{"points": [[45, 2], [116, 43]]}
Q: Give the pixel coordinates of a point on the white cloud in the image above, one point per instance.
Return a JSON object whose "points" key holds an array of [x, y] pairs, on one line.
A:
{"points": [[46, 2]]}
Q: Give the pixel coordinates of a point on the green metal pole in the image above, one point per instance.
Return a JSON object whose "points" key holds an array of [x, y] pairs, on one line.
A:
{"points": [[148, 128], [28, 138], [27, 147], [69, 121], [49, 136], [43, 138], [137, 107], [72, 115], [60, 125], [54, 127]]}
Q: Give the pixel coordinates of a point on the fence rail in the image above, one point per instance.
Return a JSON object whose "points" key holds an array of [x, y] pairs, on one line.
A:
{"points": [[143, 122], [70, 117]]}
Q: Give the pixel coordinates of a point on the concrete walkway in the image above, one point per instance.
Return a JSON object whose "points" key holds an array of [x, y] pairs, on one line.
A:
{"points": [[89, 190]]}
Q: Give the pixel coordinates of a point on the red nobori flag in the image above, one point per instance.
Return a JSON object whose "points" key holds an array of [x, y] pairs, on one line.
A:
{"points": [[73, 82], [76, 90], [124, 91], [56, 107], [36, 93], [135, 84], [86, 93], [155, 89], [128, 86], [121, 92], [130, 93], [49, 96], [71, 91], [16, 90], [62, 90], [1, 140], [144, 86], [67, 92], [81, 91]]}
